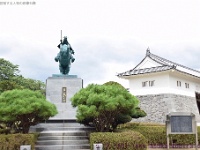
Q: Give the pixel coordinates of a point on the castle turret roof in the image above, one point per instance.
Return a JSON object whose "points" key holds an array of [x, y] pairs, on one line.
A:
{"points": [[162, 65]]}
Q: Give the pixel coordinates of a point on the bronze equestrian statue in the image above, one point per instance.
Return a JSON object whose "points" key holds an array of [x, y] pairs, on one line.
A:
{"points": [[65, 56]]}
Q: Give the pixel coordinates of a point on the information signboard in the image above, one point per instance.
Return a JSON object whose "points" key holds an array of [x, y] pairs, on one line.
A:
{"points": [[181, 123]]}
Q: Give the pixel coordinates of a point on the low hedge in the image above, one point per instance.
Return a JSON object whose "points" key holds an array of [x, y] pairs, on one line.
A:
{"points": [[14, 141], [119, 140], [156, 134]]}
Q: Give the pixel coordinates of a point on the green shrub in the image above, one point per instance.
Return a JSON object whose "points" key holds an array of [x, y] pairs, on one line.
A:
{"points": [[14, 141], [128, 125], [156, 134], [119, 141], [4, 131], [105, 106], [20, 109]]}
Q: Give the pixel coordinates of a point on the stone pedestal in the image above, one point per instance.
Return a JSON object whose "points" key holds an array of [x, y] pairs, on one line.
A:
{"points": [[59, 90]]}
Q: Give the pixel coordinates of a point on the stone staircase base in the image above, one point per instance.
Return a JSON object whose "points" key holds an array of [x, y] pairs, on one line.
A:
{"points": [[62, 136]]}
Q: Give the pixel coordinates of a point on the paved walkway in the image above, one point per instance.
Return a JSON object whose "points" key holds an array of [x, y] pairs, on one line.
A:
{"points": [[151, 148], [173, 149], [179, 148]]}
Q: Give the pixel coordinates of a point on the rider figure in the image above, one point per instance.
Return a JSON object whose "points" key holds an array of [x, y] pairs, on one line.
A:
{"points": [[67, 43]]}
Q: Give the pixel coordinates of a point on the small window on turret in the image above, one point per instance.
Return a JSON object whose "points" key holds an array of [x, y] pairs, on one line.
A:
{"points": [[144, 84], [179, 83], [187, 85], [151, 83]]}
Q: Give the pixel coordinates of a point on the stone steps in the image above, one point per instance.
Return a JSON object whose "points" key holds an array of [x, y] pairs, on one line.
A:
{"points": [[62, 136], [57, 129], [64, 133], [63, 147], [62, 142]]}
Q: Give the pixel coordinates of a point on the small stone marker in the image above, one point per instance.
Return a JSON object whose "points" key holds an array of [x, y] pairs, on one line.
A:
{"points": [[25, 147], [98, 146]]}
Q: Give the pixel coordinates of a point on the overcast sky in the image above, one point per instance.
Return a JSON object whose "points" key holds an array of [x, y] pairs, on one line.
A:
{"points": [[108, 36]]}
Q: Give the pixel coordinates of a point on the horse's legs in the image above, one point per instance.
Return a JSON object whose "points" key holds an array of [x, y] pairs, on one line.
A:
{"points": [[64, 70], [67, 70], [61, 69]]}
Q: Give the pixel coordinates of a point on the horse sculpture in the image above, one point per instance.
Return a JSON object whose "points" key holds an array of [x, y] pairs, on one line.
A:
{"points": [[65, 58]]}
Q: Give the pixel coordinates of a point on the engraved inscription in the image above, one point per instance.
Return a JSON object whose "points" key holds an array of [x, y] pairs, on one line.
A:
{"points": [[64, 94], [181, 123]]}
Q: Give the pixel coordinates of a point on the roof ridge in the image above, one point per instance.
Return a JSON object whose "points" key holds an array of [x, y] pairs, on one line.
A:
{"points": [[154, 69], [171, 62]]}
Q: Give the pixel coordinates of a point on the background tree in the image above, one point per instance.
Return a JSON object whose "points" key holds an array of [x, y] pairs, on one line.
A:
{"points": [[11, 79], [104, 105], [22, 108], [7, 70], [27, 83]]}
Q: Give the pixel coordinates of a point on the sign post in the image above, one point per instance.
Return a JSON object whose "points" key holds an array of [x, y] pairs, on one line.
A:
{"points": [[181, 123]]}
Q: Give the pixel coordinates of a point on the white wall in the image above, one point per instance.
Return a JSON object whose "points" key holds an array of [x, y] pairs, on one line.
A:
{"points": [[164, 82], [161, 83], [183, 78]]}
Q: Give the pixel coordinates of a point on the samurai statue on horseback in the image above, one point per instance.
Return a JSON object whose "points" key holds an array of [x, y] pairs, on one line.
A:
{"points": [[65, 56]]}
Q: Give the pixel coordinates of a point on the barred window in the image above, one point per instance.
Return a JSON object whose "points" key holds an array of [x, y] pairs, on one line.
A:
{"points": [[151, 83], [187, 86], [148, 83], [144, 84], [179, 83]]}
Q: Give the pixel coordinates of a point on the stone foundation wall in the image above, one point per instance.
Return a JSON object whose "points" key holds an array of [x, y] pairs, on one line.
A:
{"points": [[158, 106]]}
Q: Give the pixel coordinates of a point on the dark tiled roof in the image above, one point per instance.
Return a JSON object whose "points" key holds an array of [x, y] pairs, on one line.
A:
{"points": [[164, 65], [168, 62], [145, 70]]}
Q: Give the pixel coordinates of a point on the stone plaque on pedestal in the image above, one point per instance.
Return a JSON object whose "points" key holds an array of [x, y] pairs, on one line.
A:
{"points": [[59, 90]]}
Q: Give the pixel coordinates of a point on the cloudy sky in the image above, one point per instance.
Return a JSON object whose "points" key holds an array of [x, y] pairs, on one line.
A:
{"points": [[108, 36]]}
